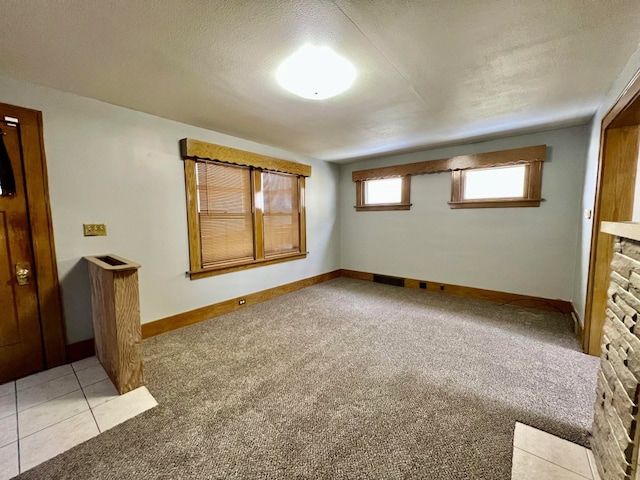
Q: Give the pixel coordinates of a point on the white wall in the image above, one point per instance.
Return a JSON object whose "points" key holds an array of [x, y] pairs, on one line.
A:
{"points": [[112, 165], [520, 250], [591, 174]]}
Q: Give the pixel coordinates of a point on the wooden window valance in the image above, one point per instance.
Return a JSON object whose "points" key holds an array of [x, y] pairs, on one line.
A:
{"points": [[513, 156], [198, 150]]}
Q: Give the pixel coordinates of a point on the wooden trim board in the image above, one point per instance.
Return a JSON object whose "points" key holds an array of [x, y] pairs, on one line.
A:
{"points": [[513, 156], [577, 326], [200, 314], [614, 203], [80, 350], [196, 149], [505, 298]]}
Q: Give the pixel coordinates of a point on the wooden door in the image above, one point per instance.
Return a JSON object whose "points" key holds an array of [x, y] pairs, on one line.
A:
{"points": [[21, 348]]}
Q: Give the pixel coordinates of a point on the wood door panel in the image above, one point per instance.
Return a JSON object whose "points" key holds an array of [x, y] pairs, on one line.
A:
{"points": [[21, 346], [10, 331]]}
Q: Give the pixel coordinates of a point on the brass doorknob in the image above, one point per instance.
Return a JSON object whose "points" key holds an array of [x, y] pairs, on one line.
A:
{"points": [[23, 273]]}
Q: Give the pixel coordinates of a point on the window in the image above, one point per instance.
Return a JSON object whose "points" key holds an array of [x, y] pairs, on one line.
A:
{"points": [[383, 194], [280, 214], [500, 186], [501, 182], [244, 210], [225, 213], [504, 178]]}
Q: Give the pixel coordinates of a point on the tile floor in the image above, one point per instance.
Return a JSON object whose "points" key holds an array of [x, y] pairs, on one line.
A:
{"points": [[541, 456], [50, 412]]}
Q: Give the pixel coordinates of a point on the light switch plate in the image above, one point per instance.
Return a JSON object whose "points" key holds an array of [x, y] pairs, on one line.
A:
{"points": [[94, 229]]}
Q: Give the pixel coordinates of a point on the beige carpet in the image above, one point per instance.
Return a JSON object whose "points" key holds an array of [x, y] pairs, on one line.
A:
{"points": [[347, 379]]}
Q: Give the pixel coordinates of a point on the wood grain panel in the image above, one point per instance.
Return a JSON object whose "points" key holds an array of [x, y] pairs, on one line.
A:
{"points": [[195, 257], [10, 331], [191, 148], [491, 159], [383, 208], [22, 353], [614, 203], [115, 307], [50, 301], [45, 267], [205, 313], [129, 366], [258, 216], [303, 213], [357, 275], [625, 111], [202, 273], [497, 203]]}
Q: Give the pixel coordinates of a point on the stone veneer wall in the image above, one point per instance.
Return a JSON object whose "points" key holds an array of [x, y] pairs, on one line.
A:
{"points": [[615, 423]]}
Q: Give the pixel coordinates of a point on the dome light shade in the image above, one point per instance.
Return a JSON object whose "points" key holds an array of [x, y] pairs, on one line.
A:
{"points": [[316, 73]]}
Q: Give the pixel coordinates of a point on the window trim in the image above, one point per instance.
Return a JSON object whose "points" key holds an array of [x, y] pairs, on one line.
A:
{"points": [[531, 196], [513, 156], [533, 156], [193, 151], [404, 204]]}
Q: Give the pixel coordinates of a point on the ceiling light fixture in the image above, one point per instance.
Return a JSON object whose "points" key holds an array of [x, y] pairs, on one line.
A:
{"points": [[316, 73]]}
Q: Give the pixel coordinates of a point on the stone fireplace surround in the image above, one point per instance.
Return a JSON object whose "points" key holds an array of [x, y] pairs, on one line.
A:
{"points": [[616, 432]]}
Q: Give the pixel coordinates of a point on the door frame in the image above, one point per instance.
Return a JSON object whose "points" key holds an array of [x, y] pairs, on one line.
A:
{"points": [[614, 160], [40, 222]]}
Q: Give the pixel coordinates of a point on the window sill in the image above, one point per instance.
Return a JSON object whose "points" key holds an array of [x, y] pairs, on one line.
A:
{"points": [[497, 203], [208, 272], [383, 207]]}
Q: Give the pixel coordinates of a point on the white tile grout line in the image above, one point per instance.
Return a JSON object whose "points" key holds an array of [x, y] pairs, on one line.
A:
{"points": [[80, 387], [560, 466], [46, 401], [55, 398], [15, 391], [89, 405], [48, 426], [73, 370], [42, 382]]}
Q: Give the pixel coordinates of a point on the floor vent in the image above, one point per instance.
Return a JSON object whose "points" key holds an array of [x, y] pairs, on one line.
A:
{"points": [[397, 281]]}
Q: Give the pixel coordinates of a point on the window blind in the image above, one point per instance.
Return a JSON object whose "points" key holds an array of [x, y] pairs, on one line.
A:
{"points": [[225, 213], [281, 213]]}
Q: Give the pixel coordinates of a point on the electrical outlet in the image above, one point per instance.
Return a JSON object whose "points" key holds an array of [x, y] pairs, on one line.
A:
{"points": [[94, 229], [423, 284], [242, 302], [441, 287]]}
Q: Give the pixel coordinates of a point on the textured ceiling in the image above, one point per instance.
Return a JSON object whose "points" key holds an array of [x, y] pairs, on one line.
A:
{"points": [[430, 72]]}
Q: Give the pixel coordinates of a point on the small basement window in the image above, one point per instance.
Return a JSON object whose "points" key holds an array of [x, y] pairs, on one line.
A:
{"points": [[494, 187], [383, 194]]}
